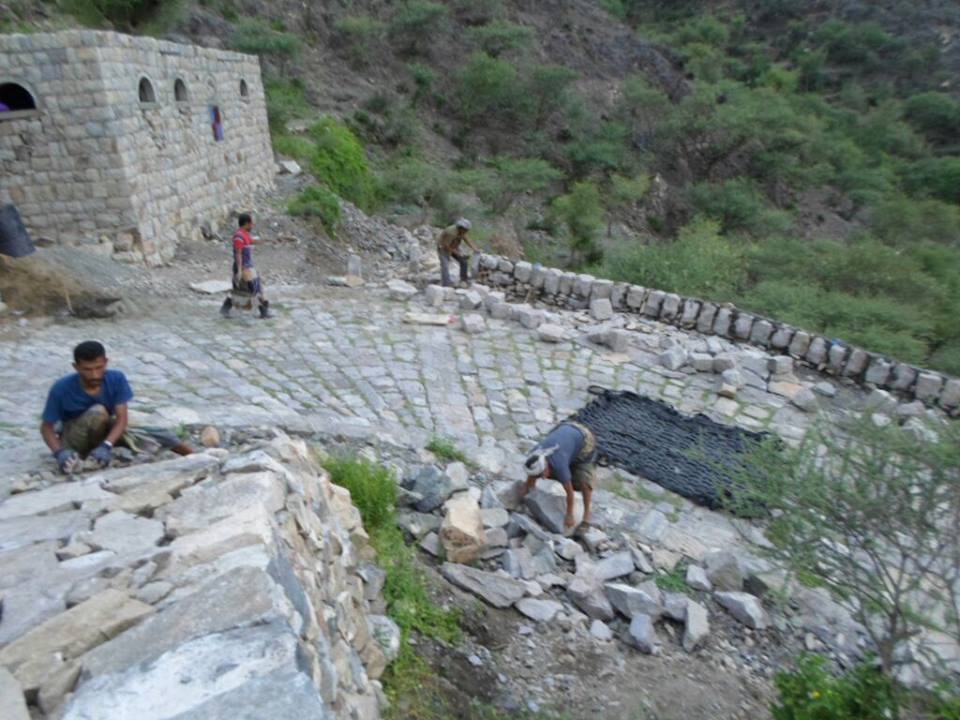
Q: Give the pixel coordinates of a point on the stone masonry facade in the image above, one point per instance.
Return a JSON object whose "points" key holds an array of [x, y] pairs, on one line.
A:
{"points": [[523, 280], [134, 144]]}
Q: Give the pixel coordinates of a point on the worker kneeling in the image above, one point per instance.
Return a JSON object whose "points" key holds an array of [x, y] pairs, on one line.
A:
{"points": [[86, 415], [567, 455]]}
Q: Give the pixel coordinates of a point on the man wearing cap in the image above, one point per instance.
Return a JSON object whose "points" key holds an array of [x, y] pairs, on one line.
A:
{"points": [[448, 245], [566, 455]]}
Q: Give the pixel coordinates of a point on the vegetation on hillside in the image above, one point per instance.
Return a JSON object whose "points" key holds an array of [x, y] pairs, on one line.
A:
{"points": [[801, 160]]}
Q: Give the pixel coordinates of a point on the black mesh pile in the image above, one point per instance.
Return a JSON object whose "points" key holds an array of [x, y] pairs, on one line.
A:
{"points": [[646, 437], [14, 240]]}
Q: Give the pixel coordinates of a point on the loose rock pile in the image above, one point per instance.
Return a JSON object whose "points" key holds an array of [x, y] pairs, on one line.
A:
{"points": [[216, 585]]}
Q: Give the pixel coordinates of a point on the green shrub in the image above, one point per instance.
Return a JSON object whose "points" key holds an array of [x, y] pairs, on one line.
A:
{"points": [[936, 115], [739, 207], [935, 177], [490, 92], [705, 29], [371, 487], [500, 37], [416, 23], [415, 181], [299, 148], [811, 692], [444, 449], [701, 262], [339, 161], [256, 37], [424, 78], [124, 14], [361, 36], [317, 202], [505, 178], [598, 148], [548, 86], [580, 210], [904, 221], [286, 101]]}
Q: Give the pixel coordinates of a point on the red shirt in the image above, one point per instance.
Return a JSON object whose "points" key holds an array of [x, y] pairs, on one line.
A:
{"points": [[244, 243]]}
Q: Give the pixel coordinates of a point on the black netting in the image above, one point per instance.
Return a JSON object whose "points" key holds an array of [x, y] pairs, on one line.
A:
{"points": [[646, 437], [14, 240]]}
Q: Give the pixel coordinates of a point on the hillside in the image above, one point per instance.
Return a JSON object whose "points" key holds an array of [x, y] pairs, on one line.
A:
{"points": [[800, 159]]}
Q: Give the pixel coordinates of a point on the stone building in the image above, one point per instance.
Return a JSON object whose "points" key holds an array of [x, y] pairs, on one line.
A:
{"points": [[128, 143]]}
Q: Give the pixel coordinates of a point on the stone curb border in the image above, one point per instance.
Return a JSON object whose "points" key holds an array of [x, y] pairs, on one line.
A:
{"points": [[830, 356]]}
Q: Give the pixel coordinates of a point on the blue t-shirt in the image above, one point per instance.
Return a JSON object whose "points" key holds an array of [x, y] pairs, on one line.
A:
{"points": [[67, 398], [569, 442]]}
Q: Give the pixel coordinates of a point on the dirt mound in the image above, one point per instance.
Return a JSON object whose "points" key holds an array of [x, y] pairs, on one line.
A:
{"points": [[58, 280]]}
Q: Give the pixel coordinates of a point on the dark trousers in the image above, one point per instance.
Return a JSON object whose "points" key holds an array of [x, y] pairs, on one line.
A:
{"points": [[445, 267]]}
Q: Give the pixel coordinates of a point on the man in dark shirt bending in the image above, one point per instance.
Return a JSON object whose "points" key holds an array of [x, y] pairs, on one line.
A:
{"points": [[566, 455]]}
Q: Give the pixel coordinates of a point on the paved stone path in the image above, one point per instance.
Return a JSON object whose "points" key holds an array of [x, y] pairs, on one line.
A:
{"points": [[345, 357]]}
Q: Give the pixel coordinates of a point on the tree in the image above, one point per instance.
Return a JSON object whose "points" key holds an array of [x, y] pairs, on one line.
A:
{"points": [[872, 514], [490, 92], [581, 212], [415, 24]]}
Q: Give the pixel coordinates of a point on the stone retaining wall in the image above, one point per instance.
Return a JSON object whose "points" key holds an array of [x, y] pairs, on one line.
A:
{"points": [[95, 165], [212, 586], [526, 281]]}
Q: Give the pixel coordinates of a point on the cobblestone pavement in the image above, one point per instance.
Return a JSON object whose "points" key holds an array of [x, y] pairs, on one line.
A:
{"points": [[346, 357]]}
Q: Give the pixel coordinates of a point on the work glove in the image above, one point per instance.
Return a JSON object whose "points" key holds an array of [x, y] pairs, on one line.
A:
{"points": [[102, 454], [67, 460]]}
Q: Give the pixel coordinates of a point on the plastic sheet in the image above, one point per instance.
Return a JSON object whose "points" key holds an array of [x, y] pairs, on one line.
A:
{"points": [[692, 456], [14, 240]]}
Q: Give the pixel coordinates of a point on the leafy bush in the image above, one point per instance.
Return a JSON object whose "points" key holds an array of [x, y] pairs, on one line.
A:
{"points": [[500, 37], [598, 148], [299, 148], [286, 101], [706, 29], [125, 14], [317, 202], [444, 449], [548, 86], [499, 184], [811, 692], [936, 115], [423, 78], [415, 181], [256, 37], [739, 207], [415, 24], [580, 210], [935, 177], [490, 92], [361, 34], [371, 487], [854, 500], [700, 262], [339, 161], [903, 221]]}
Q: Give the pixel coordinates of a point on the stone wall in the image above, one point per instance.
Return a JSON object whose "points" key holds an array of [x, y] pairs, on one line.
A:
{"points": [[95, 165], [527, 282], [212, 586]]}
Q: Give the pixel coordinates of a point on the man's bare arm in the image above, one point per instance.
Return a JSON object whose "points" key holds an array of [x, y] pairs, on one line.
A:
{"points": [[50, 437]]}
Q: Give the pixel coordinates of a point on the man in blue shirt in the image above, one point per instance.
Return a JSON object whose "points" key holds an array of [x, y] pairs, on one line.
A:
{"points": [[566, 455], [86, 414]]}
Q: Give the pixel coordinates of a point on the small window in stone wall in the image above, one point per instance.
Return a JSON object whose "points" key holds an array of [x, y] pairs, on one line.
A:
{"points": [[244, 92], [15, 98], [180, 91], [216, 122], [145, 89]]}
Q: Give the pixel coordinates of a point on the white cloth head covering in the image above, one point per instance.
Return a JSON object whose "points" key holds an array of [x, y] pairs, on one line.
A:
{"points": [[463, 223], [536, 463]]}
